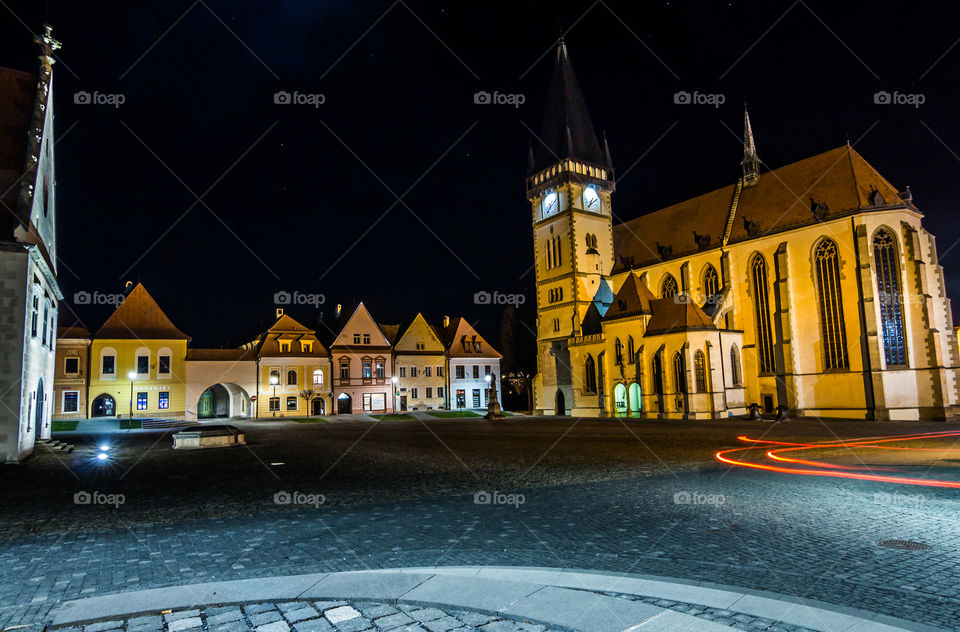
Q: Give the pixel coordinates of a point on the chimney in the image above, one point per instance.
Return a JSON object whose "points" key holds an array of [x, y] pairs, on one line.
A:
{"points": [[339, 309], [279, 312], [446, 321], [127, 287]]}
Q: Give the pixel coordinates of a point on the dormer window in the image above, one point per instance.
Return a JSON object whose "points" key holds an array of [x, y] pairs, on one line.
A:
{"points": [[306, 346], [284, 346]]}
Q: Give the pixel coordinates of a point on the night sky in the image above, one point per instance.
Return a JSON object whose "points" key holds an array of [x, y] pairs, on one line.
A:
{"points": [[303, 198]]}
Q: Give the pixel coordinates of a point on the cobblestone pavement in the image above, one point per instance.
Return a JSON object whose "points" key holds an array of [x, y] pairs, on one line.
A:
{"points": [[807, 537], [312, 616]]}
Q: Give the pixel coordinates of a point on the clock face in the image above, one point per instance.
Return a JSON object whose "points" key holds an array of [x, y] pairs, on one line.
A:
{"points": [[550, 203], [591, 201]]}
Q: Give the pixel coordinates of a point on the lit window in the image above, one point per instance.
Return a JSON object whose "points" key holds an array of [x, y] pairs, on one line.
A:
{"points": [[274, 377], [141, 401], [71, 403], [164, 401], [888, 289], [291, 403], [366, 370], [318, 376]]}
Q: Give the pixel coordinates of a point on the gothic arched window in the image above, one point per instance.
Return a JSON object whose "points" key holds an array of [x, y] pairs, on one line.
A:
{"points": [[631, 353], [735, 374], [711, 282], [700, 371], [830, 299], [888, 290], [679, 372], [589, 375], [761, 305], [618, 351], [668, 289]]}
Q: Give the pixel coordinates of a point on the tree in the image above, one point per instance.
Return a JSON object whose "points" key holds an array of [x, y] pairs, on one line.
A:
{"points": [[307, 395]]}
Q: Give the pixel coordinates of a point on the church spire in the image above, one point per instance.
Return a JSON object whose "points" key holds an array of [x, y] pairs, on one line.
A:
{"points": [[567, 131], [751, 163]]}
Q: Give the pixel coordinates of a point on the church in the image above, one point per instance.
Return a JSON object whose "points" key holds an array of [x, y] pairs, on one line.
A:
{"points": [[811, 289]]}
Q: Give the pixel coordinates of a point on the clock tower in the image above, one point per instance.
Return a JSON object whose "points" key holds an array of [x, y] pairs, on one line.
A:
{"points": [[569, 186]]}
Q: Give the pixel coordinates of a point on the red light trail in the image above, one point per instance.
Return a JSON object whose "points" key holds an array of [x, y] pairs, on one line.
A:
{"points": [[838, 471]]}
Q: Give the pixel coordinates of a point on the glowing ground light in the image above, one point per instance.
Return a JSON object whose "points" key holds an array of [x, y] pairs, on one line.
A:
{"points": [[104, 448], [102, 456], [819, 468]]}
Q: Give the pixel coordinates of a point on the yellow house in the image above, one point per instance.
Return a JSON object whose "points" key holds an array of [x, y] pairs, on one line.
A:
{"points": [[420, 362], [293, 371], [137, 362]]}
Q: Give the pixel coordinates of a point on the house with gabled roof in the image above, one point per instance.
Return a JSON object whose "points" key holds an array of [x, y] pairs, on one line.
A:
{"points": [[420, 362], [137, 362], [362, 357], [819, 278], [473, 364]]}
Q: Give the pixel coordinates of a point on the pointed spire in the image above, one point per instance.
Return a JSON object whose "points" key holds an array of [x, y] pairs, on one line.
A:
{"points": [[530, 161], [751, 163], [608, 161], [567, 131]]}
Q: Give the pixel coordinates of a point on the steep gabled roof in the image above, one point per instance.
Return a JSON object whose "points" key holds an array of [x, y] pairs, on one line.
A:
{"points": [[288, 329], [633, 298], [360, 322], [463, 341], [567, 131], [833, 184], [139, 317], [671, 315], [419, 328]]}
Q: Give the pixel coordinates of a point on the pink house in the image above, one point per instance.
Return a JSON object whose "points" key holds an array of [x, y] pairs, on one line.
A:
{"points": [[362, 361]]}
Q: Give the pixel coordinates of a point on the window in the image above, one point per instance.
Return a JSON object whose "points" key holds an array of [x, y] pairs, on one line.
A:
{"points": [[428, 392], [476, 398], [356, 339], [143, 365], [413, 392], [711, 282], [291, 378], [555, 295], [439, 391], [46, 317], [284, 346], [888, 290], [831, 305], [164, 402], [274, 404], [35, 316], [344, 370], [735, 374], [403, 371], [141, 401], [556, 324], [421, 346], [109, 365], [439, 371], [71, 366], [274, 377], [413, 371], [163, 364], [589, 375], [366, 339], [459, 371], [700, 371], [554, 252], [71, 402], [306, 346], [761, 306], [318, 376], [618, 352], [426, 371], [668, 288], [476, 372], [631, 354], [291, 403], [366, 370], [487, 370], [679, 372]]}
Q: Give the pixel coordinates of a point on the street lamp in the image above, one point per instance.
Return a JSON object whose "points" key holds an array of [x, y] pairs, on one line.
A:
{"points": [[394, 380], [132, 377], [274, 380]]}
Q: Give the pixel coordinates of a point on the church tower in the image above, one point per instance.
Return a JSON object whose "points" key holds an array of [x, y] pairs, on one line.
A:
{"points": [[569, 186]]}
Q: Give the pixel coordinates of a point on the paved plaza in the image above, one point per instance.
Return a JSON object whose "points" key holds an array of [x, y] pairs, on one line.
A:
{"points": [[674, 513]]}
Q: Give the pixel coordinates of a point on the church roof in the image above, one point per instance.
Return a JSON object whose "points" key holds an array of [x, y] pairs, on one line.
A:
{"points": [[139, 317], [671, 315], [632, 298], [567, 131], [832, 184]]}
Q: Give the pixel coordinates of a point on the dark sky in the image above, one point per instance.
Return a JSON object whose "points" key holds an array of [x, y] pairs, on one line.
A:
{"points": [[301, 196]]}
